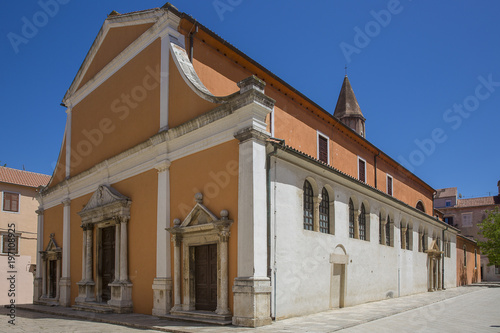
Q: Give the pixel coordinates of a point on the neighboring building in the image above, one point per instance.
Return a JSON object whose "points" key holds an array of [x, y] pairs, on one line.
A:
{"points": [[465, 215], [191, 178], [468, 261], [18, 223]]}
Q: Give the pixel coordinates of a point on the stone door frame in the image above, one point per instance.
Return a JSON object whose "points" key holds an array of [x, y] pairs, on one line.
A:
{"points": [[201, 227]]}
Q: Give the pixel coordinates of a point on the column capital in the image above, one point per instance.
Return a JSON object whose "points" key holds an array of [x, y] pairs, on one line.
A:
{"points": [[39, 212], [66, 202], [224, 235], [176, 239], [163, 166], [250, 133]]}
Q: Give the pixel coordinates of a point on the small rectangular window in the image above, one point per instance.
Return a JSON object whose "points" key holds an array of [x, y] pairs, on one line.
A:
{"points": [[448, 203], [10, 244], [448, 220], [322, 148], [466, 219], [10, 202], [361, 170], [389, 185]]}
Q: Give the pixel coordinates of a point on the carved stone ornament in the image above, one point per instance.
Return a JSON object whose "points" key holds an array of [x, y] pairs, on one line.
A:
{"points": [[201, 220], [106, 203], [52, 247]]}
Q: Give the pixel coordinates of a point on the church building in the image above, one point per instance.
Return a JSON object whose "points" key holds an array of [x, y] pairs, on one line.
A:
{"points": [[193, 183]]}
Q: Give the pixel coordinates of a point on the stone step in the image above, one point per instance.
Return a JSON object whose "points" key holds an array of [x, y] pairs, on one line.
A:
{"points": [[206, 317], [93, 307]]}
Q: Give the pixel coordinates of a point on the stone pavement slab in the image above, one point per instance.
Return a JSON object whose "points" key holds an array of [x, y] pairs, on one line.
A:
{"points": [[328, 321]]}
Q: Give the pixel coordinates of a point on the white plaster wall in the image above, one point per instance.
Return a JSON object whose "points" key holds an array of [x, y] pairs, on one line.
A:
{"points": [[302, 266]]}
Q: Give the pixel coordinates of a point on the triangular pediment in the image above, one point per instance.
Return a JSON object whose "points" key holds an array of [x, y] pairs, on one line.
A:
{"points": [[434, 248], [116, 34], [105, 196], [52, 245], [199, 215]]}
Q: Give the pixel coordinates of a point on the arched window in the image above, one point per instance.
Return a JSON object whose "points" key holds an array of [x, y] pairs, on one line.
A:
{"points": [[380, 228], [362, 223], [465, 255], [407, 236], [308, 206], [388, 231], [324, 212], [351, 219], [420, 206]]}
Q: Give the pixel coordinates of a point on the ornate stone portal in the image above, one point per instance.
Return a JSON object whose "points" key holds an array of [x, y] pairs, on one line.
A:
{"points": [[434, 266], [200, 227], [106, 209], [51, 272]]}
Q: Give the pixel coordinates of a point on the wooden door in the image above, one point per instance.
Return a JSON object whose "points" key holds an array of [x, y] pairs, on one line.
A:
{"points": [[52, 278], [108, 261], [206, 277]]}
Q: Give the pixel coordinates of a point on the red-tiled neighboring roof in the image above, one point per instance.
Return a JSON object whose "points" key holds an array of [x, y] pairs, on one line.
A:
{"points": [[484, 201], [20, 177]]}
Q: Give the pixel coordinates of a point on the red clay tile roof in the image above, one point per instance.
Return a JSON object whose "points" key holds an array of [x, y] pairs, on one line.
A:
{"points": [[484, 201], [20, 177]]}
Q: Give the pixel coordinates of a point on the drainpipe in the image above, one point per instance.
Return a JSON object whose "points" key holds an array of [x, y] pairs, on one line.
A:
{"points": [[442, 265], [191, 41], [375, 167], [268, 199]]}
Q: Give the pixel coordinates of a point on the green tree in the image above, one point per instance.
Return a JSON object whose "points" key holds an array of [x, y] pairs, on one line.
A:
{"points": [[490, 229]]}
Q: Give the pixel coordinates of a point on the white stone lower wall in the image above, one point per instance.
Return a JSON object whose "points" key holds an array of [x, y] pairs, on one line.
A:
{"points": [[303, 270]]}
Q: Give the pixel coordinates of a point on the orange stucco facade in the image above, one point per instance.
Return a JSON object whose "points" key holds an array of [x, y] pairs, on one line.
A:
{"points": [[119, 114], [468, 261]]}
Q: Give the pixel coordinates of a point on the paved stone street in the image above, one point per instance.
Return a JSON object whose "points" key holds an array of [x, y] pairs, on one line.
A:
{"points": [[464, 309]]}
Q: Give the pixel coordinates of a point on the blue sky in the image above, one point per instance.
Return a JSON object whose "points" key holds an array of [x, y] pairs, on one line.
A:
{"points": [[426, 74]]}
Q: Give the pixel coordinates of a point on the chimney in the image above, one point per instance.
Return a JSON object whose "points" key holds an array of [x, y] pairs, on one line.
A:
{"points": [[498, 184]]}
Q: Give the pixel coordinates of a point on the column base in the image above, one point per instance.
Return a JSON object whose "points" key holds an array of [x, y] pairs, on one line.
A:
{"points": [[162, 296], [252, 301], [65, 291], [37, 289], [121, 297], [86, 292]]}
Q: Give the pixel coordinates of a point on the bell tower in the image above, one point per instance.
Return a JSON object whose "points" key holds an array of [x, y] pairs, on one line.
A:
{"points": [[347, 109]]}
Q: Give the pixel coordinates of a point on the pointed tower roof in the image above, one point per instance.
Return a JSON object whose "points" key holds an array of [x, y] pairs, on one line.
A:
{"points": [[347, 104]]}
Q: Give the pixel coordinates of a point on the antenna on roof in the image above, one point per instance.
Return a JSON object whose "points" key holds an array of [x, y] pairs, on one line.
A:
{"points": [[24, 168], [345, 69]]}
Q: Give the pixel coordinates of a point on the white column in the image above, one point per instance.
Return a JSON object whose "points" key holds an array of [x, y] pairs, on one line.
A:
{"points": [[162, 284], [58, 276], [123, 251], [222, 302], [117, 252], [163, 268], [66, 239], [252, 286], [252, 207], [84, 254], [177, 272], [89, 257], [44, 275], [39, 241]]}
